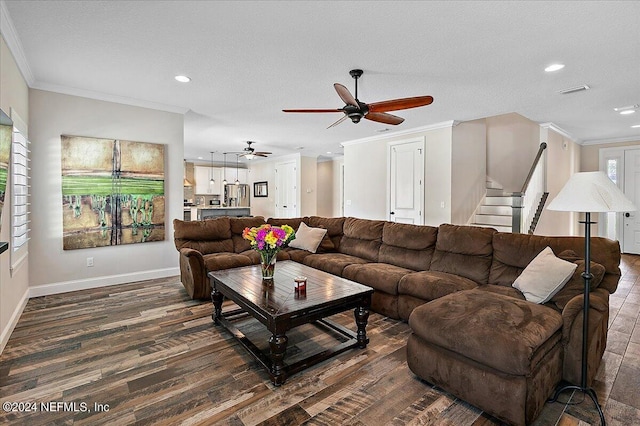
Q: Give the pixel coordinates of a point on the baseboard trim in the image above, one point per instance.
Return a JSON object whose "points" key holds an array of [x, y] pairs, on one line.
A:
{"points": [[66, 286], [6, 333]]}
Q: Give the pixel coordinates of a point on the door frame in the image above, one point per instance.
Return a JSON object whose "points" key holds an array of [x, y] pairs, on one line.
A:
{"points": [[605, 154], [390, 145]]}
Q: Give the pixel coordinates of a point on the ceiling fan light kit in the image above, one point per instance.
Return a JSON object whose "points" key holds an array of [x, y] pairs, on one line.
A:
{"points": [[356, 110], [250, 153]]}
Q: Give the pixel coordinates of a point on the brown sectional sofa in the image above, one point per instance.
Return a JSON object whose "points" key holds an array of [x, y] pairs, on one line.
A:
{"points": [[473, 334]]}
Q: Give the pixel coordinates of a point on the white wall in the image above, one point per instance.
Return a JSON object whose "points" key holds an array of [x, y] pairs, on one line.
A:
{"points": [[366, 174], [469, 173], [325, 194], [308, 172], [14, 95], [365, 179], [260, 171], [563, 160], [56, 270], [512, 144], [338, 196]]}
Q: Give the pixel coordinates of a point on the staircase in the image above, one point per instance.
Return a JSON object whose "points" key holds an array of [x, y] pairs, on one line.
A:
{"points": [[495, 210]]}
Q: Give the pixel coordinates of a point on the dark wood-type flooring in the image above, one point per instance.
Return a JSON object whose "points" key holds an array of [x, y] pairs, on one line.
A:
{"points": [[152, 356]]}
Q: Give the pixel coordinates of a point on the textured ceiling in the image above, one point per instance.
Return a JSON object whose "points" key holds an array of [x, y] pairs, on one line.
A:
{"points": [[249, 60]]}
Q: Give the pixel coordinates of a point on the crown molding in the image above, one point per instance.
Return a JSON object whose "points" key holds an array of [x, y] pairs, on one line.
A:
{"points": [[83, 93], [560, 131], [13, 42], [614, 140], [412, 131]]}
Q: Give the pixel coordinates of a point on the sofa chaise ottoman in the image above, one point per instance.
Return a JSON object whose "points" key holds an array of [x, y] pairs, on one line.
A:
{"points": [[495, 352]]}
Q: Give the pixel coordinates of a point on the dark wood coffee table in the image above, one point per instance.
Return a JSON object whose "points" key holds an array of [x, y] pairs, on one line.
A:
{"points": [[280, 308]]}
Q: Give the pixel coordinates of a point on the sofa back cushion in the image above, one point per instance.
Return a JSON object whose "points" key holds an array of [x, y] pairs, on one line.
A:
{"points": [[237, 227], [513, 252], [334, 227], [465, 251], [206, 236], [362, 238], [408, 246]]}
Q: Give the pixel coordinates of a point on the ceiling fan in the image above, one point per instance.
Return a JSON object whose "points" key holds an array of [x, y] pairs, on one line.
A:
{"points": [[377, 111], [250, 153]]}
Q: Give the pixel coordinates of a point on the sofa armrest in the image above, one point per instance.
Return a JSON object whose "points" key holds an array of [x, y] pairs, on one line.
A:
{"points": [[193, 274], [572, 335]]}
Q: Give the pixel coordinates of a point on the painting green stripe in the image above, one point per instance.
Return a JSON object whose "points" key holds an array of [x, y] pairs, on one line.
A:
{"points": [[3, 178], [104, 185]]}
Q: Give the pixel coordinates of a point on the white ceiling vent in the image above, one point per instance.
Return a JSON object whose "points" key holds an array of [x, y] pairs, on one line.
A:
{"points": [[574, 89]]}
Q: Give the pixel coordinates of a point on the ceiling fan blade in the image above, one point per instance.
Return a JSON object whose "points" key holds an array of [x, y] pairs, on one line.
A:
{"points": [[338, 122], [311, 110], [262, 153], [382, 117], [345, 95], [397, 104]]}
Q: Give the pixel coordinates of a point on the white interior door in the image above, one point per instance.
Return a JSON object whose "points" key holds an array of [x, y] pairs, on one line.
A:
{"points": [[406, 190], [286, 190], [631, 220]]}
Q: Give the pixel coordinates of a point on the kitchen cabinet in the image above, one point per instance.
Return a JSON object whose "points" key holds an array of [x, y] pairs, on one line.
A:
{"points": [[202, 175], [205, 213]]}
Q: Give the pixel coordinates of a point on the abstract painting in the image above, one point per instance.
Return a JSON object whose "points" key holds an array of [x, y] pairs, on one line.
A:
{"points": [[6, 132], [112, 192]]}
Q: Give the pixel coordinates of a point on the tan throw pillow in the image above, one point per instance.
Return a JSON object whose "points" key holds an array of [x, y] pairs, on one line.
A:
{"points": [[544, 277], [308, 238]]}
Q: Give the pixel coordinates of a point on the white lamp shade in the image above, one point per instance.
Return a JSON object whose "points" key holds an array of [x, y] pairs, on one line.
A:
{"points": [[591, 192]]}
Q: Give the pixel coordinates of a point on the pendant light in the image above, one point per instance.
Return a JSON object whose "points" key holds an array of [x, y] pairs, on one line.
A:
{"points": [[237, 161], [185, 181], [224, 170], [212, 181]]}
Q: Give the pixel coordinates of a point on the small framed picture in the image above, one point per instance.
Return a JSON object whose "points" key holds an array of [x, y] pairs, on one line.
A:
{"points": [[260, 189]]}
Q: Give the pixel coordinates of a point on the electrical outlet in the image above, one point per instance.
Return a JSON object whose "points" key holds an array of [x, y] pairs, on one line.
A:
{"points": [[89, 261], [442, 204]]}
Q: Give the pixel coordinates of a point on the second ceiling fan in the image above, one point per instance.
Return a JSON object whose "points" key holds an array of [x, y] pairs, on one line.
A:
{"points": [[377, 111]]}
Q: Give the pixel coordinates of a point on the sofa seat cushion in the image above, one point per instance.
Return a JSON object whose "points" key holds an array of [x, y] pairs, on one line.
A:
{"points": [[219, 261], [431, 285], [380, 276], [332, 263], [498, 331], [297, 255]]}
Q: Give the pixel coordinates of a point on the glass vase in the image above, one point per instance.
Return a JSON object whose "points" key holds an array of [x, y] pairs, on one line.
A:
{"points": [[268, 265]]}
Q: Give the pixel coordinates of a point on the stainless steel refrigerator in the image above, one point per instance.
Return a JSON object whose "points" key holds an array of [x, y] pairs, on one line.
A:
{"points": [[236, 195]]}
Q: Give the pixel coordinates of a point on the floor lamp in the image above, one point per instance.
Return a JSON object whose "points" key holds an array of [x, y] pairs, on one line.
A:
{"points": [[588, 192]]}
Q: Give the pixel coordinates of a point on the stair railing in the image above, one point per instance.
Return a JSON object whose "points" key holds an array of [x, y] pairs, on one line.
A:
{"points": [[525, 203]]}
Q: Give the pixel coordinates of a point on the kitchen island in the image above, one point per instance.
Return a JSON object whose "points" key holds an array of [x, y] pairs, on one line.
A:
{"points": [[201, 213]]}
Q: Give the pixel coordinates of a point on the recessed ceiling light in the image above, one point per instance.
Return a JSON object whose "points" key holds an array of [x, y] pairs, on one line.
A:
{"points": [[627, 111], [329, 152], [636, 126], [199, 158], [554, 67], [182, 78]]}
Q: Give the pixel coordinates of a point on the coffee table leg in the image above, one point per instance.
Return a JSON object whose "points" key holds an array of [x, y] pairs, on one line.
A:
{"points": [[216, 298], [362, 316], [278, 345]]}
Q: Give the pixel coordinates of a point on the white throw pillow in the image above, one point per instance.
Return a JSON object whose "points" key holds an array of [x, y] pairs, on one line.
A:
{"points": [[544, 277], [308, 238]]}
